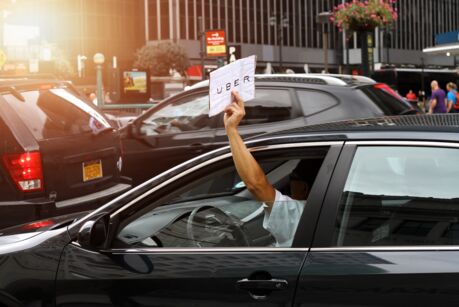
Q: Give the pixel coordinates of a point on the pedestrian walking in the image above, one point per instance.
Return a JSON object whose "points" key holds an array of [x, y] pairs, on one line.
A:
{"points": [[437, 99], [451, 98]]}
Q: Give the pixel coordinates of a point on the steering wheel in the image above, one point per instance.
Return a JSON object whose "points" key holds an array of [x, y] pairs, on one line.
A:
{"points": [[208, 226]]}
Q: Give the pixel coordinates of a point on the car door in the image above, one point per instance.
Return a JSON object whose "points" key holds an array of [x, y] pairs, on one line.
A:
{"points": [[174, 247], [272, 109], [173, 133], [388, 231]]}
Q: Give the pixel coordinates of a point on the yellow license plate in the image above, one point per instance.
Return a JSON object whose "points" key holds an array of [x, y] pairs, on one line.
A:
{"points": [[92, 170]]}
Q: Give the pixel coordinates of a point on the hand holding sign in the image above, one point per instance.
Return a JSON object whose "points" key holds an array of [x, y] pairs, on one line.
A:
{"points": [[239, 75]]}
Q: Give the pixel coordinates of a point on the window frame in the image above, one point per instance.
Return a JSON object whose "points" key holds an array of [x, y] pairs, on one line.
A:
{"points": [[307, 221], [326, 224]]}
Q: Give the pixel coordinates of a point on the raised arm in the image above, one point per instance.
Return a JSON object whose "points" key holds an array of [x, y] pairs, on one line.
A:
{"points": [[247, 167]]}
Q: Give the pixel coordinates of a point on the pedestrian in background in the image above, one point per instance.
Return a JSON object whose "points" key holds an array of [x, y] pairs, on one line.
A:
{"points": [[437, 99], [411, 96], [451, 98]]}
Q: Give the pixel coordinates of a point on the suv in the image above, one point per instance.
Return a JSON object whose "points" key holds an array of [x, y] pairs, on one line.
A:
{"points": [[57, 152], [180, 128]]}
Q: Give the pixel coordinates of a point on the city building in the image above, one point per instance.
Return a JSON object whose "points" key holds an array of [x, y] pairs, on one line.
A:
{"points": [[280, 32], [258, 26]]}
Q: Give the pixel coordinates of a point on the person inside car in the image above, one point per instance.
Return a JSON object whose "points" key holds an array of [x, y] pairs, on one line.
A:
{"points": [[282, 213]]}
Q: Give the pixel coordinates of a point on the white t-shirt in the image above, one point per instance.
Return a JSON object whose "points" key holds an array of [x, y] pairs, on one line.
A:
{"points": [[283, 219]]}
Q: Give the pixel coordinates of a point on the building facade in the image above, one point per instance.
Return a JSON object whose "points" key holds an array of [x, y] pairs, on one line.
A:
{"points": [[258, 26], [266, 28], [70, 28]]}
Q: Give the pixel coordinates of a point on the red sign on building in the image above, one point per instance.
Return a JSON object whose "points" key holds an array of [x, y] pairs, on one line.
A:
{"points": [[216, 43]]}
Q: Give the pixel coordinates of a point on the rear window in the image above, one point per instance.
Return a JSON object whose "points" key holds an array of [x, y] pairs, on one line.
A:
{"points": [[386, 99], [54, 113]]}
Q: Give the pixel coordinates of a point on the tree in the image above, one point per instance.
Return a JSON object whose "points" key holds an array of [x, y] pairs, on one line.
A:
{"points": [[162, 57]]}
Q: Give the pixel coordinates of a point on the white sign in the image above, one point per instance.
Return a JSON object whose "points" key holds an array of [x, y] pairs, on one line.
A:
{"points": [[239, 75]]}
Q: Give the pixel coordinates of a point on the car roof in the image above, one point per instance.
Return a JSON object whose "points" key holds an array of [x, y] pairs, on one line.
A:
{"points": [[406, 126], [322, 79]]}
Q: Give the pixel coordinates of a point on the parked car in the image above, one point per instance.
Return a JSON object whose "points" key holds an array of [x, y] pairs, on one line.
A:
{"points": [[380, 227], [58, 153], [179, 128]]}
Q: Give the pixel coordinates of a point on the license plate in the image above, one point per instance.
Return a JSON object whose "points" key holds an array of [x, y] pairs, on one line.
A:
{"points": [[92, 170]]}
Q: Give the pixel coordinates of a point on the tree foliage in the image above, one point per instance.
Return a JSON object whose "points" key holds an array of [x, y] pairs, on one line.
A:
{"points": [[162, 57]]}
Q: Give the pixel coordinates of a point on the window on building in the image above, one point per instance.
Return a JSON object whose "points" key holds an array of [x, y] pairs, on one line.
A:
{"points": [[164, 15]]}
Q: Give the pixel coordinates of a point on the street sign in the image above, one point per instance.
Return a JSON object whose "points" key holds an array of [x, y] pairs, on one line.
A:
{"points": [[216, 43], [447, 38]]}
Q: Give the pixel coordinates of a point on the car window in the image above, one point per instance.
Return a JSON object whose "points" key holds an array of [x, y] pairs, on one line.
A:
{"points": [[216, 210], [56, 113], [183, 115], [400, 196], [313, 101], [269, 105], [386, 99]]}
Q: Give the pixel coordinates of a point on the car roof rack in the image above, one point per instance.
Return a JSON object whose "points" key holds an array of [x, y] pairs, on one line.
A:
{"points": [[351, 79], [396, 122], [321, 79]]}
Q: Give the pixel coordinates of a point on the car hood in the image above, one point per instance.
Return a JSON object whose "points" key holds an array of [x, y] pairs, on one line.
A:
{"points": [[7, 239]]}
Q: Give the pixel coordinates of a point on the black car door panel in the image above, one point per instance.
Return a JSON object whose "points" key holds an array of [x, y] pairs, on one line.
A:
{"points": [[187, 250], [177, 278], [387, 234]]}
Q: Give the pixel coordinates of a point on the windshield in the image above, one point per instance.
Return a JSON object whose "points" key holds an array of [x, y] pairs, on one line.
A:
{"points": [[56, 112], [386, 99]]}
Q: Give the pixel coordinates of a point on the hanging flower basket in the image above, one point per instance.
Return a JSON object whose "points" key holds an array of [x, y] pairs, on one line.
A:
{"points": [[364, 15]]}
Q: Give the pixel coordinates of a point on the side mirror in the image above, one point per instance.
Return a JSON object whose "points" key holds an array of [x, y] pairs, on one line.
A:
{"points": [[93, 234]]}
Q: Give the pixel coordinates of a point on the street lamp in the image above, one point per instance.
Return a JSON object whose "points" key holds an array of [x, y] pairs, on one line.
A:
{"points": [[281, 23], [323, 19], [99, 59]]}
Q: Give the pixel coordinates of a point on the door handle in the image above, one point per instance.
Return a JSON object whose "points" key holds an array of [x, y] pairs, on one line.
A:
{"points": [[268, 285]]}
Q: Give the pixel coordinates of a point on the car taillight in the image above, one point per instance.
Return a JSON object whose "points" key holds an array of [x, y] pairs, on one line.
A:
{"points": [[25, 169]]}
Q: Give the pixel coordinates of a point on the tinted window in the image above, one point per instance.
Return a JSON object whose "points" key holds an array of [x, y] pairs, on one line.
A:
{"points": [[269, 105], [387, 102], [56, 113], [183, 115], [313, 102], [400, 196]]}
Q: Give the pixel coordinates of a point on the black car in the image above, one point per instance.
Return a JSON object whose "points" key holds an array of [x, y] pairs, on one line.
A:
{"points": [[58, 153], [379, 228], [179, 128]]}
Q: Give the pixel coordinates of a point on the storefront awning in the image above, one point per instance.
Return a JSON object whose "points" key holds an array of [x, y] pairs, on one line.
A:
{"points": [[450, 50]]}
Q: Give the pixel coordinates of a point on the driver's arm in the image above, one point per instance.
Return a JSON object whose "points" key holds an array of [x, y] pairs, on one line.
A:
{"points": [[247, 167]]}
